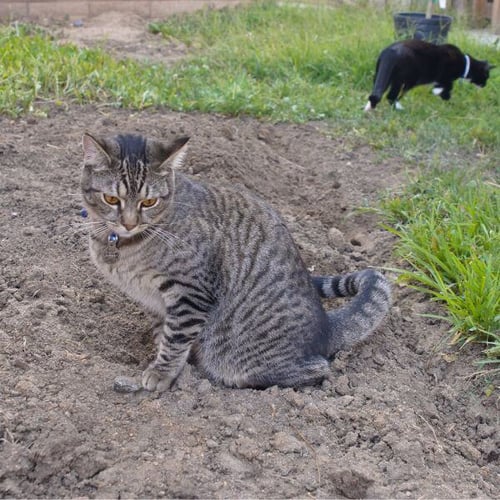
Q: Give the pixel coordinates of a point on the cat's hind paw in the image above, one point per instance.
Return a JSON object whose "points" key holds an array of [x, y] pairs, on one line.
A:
{"points": [[156, 380]]}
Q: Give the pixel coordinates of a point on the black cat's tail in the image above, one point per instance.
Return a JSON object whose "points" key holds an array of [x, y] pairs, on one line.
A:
{"points": [[383, 72], [355, 321]]}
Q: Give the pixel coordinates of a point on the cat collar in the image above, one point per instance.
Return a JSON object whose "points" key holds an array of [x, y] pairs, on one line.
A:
{"points": [[113, 239], [467, 66]]}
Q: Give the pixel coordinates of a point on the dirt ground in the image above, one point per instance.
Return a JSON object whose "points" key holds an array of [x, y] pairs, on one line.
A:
{"points": [[402, 416]]}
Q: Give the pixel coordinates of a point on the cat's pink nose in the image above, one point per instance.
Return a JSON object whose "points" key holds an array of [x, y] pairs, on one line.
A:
{"points": [[129, 226]]}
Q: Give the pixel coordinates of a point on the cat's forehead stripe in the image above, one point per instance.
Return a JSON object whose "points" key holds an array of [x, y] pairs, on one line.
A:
{"points": [[132, 147], [132, 162], [122, 189]]}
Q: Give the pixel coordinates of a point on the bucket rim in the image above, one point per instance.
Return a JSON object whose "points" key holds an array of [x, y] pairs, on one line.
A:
{"points": [[422, 15]]}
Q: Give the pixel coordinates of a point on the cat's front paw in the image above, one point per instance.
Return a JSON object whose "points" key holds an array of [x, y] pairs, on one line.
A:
{"points": [[156, 380], [157, 332]]}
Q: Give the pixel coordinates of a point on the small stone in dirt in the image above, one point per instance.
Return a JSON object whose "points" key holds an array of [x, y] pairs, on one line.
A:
{"points": [[485, 431], [126, 384], [342, 385], [351, 483], [327, 385], [294, 398], [211, 444], [233, 465], [345, 400], [357, 257], [29, 231], [286, 443], [378, 359], [20, 363], [351, 438], [468, 451], [336, 238], [246, 448], [26, 387], [204, 386]]}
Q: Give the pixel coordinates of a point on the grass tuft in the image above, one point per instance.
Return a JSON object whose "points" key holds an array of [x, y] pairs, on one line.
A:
{"points": [[448, 227]]}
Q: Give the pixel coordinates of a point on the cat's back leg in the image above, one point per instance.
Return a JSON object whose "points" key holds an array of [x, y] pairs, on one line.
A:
{"points": [[305, 373], [395, 93], [288, 355]]}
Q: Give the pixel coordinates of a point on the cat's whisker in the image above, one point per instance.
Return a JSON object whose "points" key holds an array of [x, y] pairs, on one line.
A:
{"points": [[168, 234], [78, 227], [99, 230], [168, 238], [151, 235], [90, 222], [164, 237]]}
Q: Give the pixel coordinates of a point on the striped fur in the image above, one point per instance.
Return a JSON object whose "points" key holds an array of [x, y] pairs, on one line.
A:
{"points": [[220, 271]]}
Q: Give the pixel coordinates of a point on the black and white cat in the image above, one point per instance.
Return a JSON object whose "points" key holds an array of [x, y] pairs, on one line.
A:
{"points": [[406, 64]]}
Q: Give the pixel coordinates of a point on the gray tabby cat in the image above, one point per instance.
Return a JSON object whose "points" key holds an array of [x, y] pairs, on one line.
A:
{"points": [[219, 269]]}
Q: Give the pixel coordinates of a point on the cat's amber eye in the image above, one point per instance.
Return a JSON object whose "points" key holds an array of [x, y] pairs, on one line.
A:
{"points": [[110, 199], [149, 202]]}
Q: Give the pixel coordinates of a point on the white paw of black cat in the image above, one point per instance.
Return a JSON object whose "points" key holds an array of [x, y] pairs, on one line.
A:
{"points": [[156, 380]]}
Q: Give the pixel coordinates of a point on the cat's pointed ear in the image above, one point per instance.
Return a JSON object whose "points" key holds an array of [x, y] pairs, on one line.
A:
{"points": [[94, 154], [490, 66], [171, 155]]}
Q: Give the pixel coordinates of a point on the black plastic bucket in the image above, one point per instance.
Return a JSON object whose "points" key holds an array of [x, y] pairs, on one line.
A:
{"points": [[415, 25]]}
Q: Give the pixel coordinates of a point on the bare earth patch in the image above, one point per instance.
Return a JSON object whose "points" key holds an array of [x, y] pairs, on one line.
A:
{"points": [[398, 417], [123, 35]]}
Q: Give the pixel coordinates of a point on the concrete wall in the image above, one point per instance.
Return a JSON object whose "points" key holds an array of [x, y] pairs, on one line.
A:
{"points": [[73, 9]]}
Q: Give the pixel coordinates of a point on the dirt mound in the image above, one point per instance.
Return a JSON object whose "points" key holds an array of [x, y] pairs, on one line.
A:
{"points": [[123, 34], [396, 419]]}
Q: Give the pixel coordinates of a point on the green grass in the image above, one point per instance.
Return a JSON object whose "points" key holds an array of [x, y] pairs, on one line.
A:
{"points": [[35, 69], [285, 63], [449, 234]]}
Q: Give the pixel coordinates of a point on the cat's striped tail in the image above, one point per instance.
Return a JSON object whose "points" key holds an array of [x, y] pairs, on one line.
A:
{"points": [[355, 321]]}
